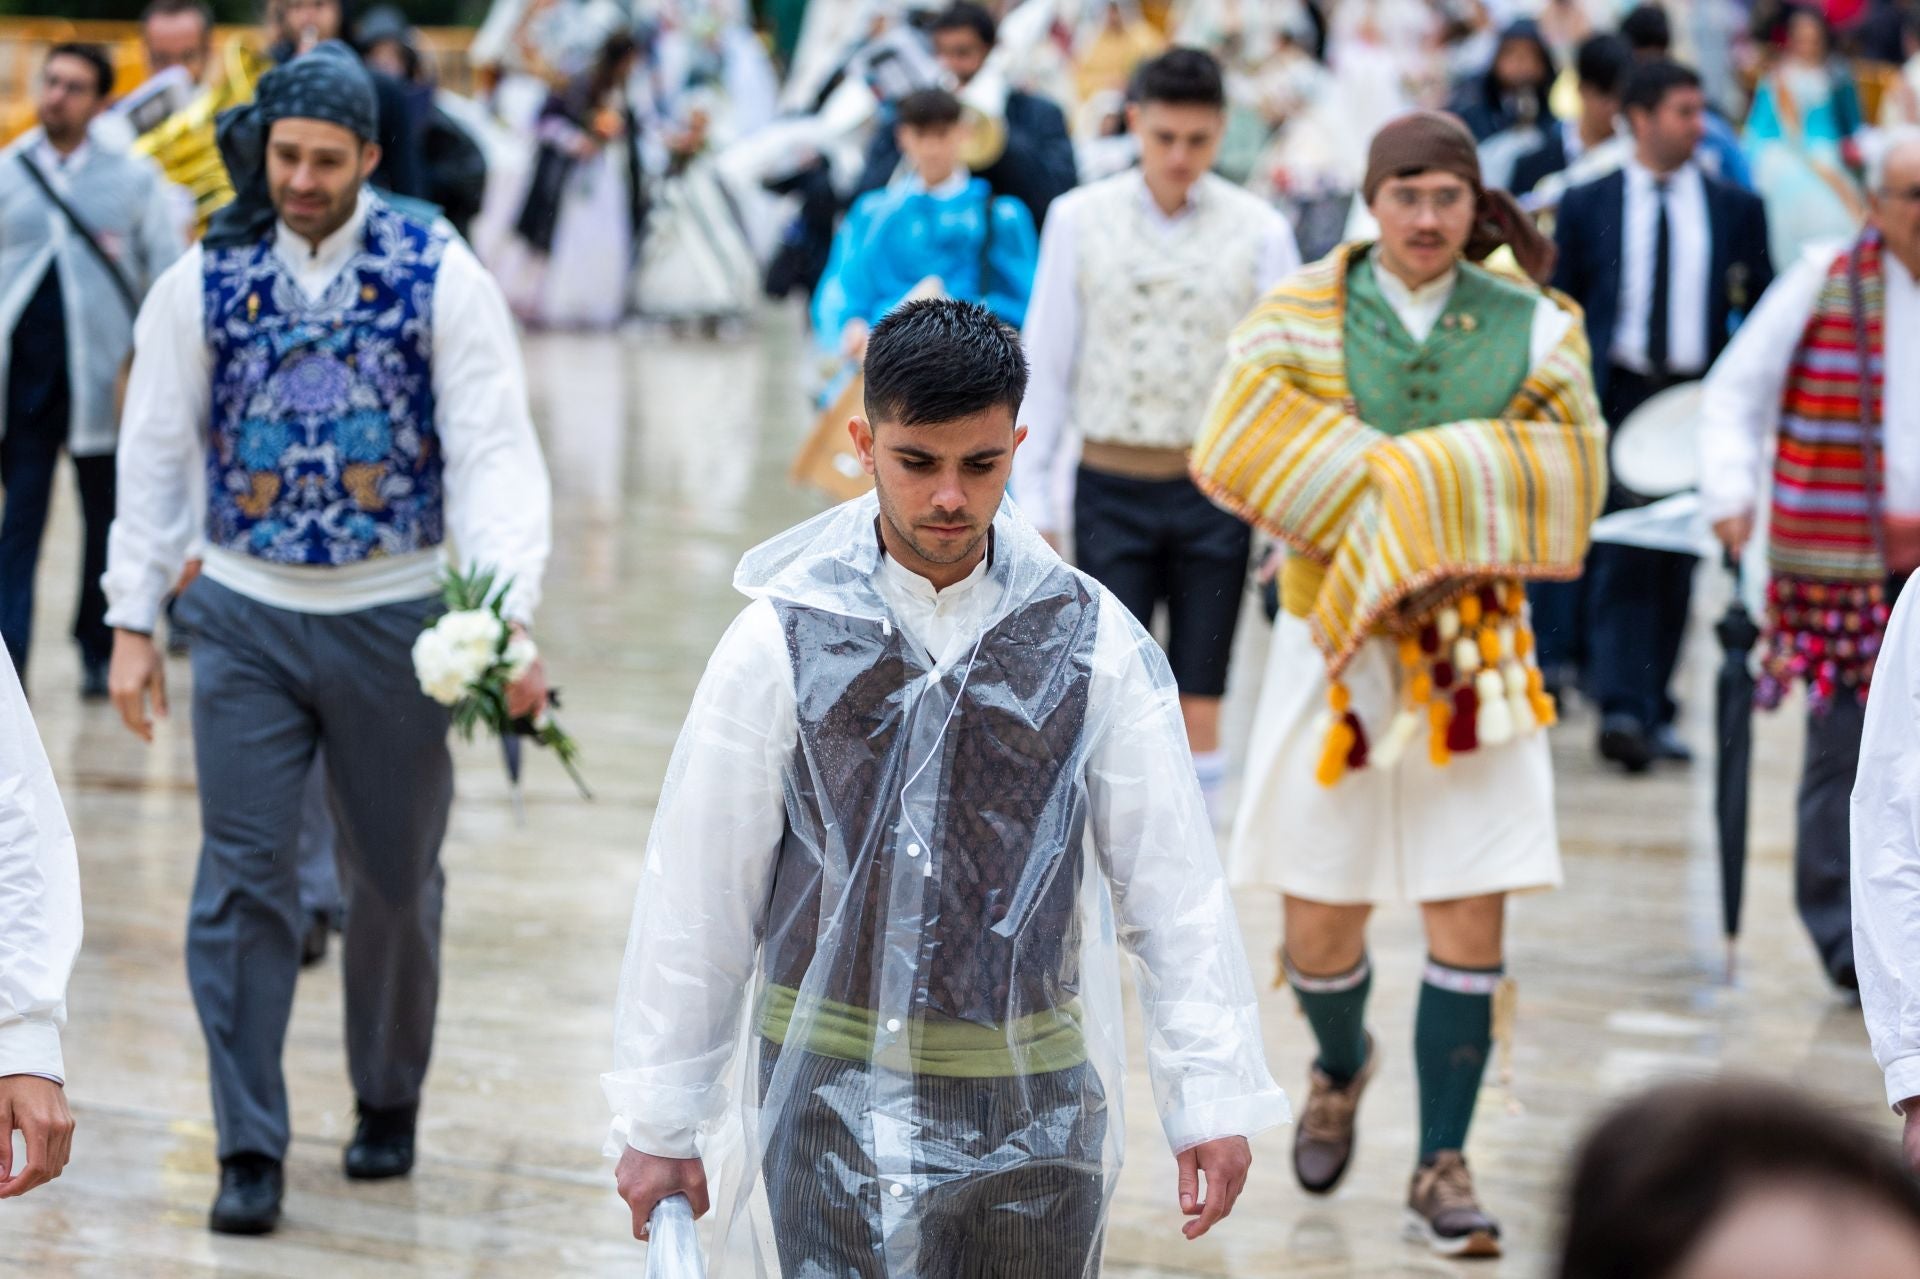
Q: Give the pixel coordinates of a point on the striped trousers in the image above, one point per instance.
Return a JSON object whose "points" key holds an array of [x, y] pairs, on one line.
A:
{"points": [[1008, 1178]]}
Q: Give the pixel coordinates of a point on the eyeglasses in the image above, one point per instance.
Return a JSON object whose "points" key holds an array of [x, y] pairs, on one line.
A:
{"points": [[1412, 199]]}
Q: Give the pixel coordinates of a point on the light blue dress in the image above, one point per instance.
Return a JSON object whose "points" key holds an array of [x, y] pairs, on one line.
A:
{"points": [[982, 248]]}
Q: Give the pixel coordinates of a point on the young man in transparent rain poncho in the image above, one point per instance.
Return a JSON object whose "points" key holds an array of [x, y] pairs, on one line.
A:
{"points": [[932, 781]]}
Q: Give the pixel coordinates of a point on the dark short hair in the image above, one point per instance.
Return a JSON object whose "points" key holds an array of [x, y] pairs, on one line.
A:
{"points": [[168, 8], [939, 360], [1649, 83], [91, 54], [1180, 77], [1657, 1172], [927, 109], [1602, 63], [966, 16], [1647, 29]]}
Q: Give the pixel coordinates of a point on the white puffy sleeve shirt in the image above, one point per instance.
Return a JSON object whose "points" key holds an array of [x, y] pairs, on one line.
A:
{"points": [[717, 837], [1886, 857], [39, 895]]}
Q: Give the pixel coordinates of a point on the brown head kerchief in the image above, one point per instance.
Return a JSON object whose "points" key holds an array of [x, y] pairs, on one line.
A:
{"points": [[1437, 142]]}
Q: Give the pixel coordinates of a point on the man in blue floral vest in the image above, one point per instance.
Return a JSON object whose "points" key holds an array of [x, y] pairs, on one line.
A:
{"points": [[344, 375]]}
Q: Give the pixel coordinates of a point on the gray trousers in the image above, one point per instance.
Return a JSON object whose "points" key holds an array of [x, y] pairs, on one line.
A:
{"points": [[1822, 863], [271, 687], [319, 876]]}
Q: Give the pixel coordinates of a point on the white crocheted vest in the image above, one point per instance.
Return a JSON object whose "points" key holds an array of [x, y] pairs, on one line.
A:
{"points": [[1157, 305]]}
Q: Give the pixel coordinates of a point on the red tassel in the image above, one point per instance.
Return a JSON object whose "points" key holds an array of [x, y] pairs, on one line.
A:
{"points": [[1443, 674], [1463, 733], [1357, 757]]}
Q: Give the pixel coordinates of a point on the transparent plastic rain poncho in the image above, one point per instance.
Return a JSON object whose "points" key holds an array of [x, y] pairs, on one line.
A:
{"points": [[873, 975]]}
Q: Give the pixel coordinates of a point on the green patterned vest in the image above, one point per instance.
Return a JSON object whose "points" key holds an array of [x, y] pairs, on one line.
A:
{"points": [[1470, 366]]}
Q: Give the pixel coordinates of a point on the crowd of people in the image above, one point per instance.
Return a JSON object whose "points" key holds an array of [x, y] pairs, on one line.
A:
{"points": [[1346, 299]]}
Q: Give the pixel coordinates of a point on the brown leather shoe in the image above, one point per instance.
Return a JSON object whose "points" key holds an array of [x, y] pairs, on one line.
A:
{"points": [[1443, 1211], [1323, 1141]]}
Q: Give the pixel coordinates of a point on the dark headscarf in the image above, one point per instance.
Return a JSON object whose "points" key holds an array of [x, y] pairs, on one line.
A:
{"points": [[327, 84], [1436, 142]]}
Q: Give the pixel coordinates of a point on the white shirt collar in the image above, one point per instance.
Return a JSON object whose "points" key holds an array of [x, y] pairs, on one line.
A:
{"points": [[955, 184], [905, 579], [295, 248], [1401, 296], [1642, 176], [1192, 204], [53, 162]]}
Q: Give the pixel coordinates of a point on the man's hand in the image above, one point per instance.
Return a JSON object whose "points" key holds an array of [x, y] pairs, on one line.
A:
{"points": [[527, 696], [38, 1109], [1734, 532], [135, 672], [644, 1180], [1911, 1141], [1225, 1161]]}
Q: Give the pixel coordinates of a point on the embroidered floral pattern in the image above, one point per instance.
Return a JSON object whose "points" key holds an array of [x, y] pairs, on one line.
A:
{"points": [[323, 448]]}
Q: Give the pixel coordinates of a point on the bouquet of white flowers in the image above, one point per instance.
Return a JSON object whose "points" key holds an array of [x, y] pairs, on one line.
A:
{"points": [[467, 658]]}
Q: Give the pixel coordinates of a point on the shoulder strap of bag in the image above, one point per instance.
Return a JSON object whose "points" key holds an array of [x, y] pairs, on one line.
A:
{"points": [[120, 281]]}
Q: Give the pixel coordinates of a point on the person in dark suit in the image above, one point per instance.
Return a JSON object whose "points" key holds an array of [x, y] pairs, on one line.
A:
{"points": [[1036, 167], [1666, 261], [1601, 64]]}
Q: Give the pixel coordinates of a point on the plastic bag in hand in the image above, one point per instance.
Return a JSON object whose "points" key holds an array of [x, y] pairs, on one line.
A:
{"points": [[673, 1247]]}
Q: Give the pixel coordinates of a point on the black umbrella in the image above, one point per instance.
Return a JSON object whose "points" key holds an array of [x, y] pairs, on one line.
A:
{"points": [[1733, 718]]}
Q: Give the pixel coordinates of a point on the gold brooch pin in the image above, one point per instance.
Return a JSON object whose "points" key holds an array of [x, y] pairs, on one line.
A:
{"points": [[253, 307], [366, 293], [1468, 323]]}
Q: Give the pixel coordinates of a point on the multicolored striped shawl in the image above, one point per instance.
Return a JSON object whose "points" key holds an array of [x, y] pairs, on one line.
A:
{"points": [[1827, 608], [1398, 522]]}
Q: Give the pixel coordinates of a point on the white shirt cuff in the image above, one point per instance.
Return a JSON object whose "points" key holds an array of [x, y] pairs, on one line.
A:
{"points": [[1903, 1080], [32, 1047]]}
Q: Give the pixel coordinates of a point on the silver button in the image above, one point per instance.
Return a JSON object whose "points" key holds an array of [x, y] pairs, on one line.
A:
{"points": [[897, 1190], [913, 850], [893, 1025]]}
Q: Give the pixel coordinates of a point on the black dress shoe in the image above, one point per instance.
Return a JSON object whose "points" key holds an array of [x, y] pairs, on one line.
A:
{"points": [[249, 1198], [1626, 743], [382, 1143], [93, 679], [1667, 745]]}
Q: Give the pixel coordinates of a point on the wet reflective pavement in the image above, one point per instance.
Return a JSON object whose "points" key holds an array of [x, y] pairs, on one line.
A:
{"points": [[669, 458]]}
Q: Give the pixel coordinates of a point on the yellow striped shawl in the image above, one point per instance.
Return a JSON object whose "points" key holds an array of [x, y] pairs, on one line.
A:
{"points": [[1398, 522]]}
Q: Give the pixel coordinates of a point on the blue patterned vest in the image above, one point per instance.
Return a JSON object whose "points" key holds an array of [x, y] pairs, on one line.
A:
{"points": [[322, 448]]}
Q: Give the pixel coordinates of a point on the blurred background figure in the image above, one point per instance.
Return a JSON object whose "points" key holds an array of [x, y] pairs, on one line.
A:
{"points": [[1802, 136], [579, 226], [1728, 1179], [178, 33], [84, 231]]}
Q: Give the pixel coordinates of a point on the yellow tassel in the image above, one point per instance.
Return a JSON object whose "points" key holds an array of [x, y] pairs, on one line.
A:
{"points": [[1490, 646], [1470, 609], [1409, 652], [1543, 707], [1420, 689], [1516, 597], [1338, 698], [1523, 643], [1438, 715], [1333, 755]]}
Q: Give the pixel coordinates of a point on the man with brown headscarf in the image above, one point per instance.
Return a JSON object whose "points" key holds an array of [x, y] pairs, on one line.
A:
{"points": [[1422, 433]]}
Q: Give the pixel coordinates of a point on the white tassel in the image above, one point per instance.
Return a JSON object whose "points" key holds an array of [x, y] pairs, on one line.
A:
{"points": [[1466, 656], [1518, 704], [1448, 624], [1495, 723], [1393, 745]]}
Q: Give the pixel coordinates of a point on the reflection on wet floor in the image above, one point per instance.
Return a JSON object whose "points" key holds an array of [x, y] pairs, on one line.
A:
{"points": [[669, 459]]}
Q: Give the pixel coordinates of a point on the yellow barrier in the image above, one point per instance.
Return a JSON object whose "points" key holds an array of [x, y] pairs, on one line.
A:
{"points": [[24, 43]]}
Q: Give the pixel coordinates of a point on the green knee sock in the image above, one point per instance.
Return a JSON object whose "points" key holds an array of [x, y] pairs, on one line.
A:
{"points": [[1452, 1032], [1336, 1009]]}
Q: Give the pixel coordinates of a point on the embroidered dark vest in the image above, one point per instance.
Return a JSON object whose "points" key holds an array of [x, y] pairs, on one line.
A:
{"points": [[322, 447], [1001, 905]]}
